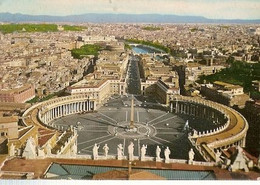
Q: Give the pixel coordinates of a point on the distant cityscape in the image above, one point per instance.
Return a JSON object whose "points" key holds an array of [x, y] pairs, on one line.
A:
{"points": [[158, 100]]}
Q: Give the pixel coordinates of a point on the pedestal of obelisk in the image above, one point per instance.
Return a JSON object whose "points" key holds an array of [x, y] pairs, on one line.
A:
{"points": [[132, 127]]}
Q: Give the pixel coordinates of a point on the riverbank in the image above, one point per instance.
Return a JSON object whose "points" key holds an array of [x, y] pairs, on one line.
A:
{"points": [[152, 44]]}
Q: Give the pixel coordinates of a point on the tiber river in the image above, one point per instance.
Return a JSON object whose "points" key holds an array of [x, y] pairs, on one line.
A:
{"points": [[142, 49]]}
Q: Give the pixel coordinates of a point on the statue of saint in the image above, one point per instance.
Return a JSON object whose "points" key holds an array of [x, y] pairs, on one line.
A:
{"points": [[158, 152], [167, 153], [186, 126], [240, 161], [191, 155], [105, 148], [218, 154], [120, 151], [95, 151], [143, 151], [131, 151], [12, 150]]}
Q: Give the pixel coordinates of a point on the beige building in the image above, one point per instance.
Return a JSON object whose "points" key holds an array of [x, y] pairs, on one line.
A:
{"points": [[194, 70], [99, 89], [165, 91], [158, 80], [9, 127], [225, 93]]}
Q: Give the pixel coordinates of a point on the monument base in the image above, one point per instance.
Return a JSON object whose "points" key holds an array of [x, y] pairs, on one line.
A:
{"points": [[131, 129]]}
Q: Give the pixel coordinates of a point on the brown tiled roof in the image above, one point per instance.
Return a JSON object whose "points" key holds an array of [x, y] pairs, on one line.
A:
{"points": [[44, 136]]}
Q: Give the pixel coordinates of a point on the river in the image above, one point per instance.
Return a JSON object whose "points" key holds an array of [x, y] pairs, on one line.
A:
{"points": [[142, 49]]}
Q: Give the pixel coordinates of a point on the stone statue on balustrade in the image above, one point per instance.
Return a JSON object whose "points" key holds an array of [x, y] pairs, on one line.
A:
{"points": [[186, 126], [12, 150], [158, 153], [29, 151], [191, 156], [95, 151], [195, 133], [120, 152], [143, 151], [218, 157], [40, 152], [48, 149], [131, 151], [105, 148], [167, 153], [240, 161]]}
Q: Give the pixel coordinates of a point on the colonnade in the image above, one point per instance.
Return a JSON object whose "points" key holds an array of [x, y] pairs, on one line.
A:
{"points": [[54, 111], [225, 119], [198, 110]]}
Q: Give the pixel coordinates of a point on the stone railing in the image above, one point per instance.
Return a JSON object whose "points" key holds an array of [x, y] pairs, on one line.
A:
{"points": [[68, 141], [212, 131], [135, 158]]}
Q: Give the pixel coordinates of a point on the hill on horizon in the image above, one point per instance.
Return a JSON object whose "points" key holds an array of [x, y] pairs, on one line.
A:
{"points": [[118, 18]]}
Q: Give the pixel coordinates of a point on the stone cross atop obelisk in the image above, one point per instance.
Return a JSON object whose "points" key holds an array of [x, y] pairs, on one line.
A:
{"points": [[132, 113]]}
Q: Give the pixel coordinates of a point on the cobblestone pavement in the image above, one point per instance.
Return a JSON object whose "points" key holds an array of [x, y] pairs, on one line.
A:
{"points": [[109, 126]]}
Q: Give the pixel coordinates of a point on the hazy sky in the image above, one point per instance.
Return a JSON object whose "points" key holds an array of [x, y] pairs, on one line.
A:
{"points": [[228, 9]]}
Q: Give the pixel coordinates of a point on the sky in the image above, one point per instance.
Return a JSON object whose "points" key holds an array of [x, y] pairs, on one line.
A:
{"points": [[216, 9]]}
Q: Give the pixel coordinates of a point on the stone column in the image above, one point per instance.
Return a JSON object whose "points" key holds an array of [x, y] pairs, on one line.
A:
{"points": [[49, 115], [90, 105], [84, 106], [58, 108], [75, 107], [58, 115], [62, 110], [56, 112], [44, 118], [71, 108], [79, 106], [87, 108], [53, 113]]}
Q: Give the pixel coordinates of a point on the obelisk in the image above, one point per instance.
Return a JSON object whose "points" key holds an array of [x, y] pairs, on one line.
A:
{"points": [[132, 114]]}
